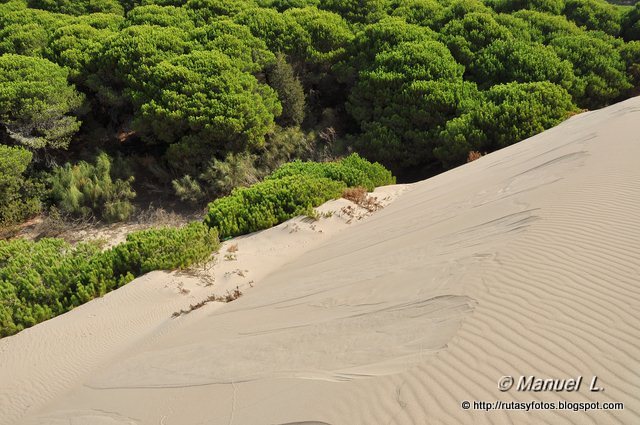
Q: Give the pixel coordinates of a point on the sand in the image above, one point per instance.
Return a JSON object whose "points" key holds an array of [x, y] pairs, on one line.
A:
{"points": [[525, 262]]}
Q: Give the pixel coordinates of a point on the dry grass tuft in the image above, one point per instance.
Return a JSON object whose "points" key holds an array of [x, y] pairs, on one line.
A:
{"points": [[233, 248], [360, 197], [473, 155], [355, 194]]}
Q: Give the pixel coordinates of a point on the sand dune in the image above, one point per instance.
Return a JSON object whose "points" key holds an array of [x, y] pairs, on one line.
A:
{"points": [[524, 262]]}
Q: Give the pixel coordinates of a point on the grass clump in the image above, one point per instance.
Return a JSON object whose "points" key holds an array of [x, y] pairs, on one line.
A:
{"points": [[85, 190], [270, 202], [40, 280]]}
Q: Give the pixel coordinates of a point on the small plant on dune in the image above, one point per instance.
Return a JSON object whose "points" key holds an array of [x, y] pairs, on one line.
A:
{"points": [[473, 155], [360, 197], [355, 194], [233, 295], [227, 298], [313, 215]]}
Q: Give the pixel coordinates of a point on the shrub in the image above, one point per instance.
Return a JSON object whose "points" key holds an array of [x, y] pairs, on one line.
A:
{"points": [[16, 199], [352, 171], [84, 190], [375, 172], [235, 170], [473, 155], [270, 202], [187, 189], [40, 280], [165, 248]]}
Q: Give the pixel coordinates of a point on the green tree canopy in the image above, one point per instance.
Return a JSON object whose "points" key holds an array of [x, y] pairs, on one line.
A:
{"points": [[78, 7], [402, 100], [467, 36], [598, 66], [123, 66], [36, 102], [247, 51], [282, 5], [361, 11], [328, 32], [428, 13], [15, 203], [75, 47], [206, 11], [282, 79], [377, 38], [458, 9], [554, 7], [202, 100], [509, 113], [594, 14], [281, 32], [508, 61], [548, 26], [164, 16], [24, 39], [631, 23]]}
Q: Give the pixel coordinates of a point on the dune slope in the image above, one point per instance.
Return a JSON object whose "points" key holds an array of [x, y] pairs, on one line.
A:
{"points": [[524, 262]]}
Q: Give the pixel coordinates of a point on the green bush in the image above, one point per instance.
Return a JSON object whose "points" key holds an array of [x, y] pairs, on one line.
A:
{"points": [[40, 280], [17, 201], [353, 171], [165, 249], [84, 190], [270, 202]]}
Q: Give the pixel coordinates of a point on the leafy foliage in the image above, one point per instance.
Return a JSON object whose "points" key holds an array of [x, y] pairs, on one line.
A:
{"points": [[78, 7], [631, 23], [595, 15], [16, 195], [268, 203], [428, 13], [292, 190], [364, 11], [231, 111], [164, 249], [519, 61], [353, 171], [36, 102], [509, 113], [290, 92], [554, 7], [40, 280], [599, 68]]}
